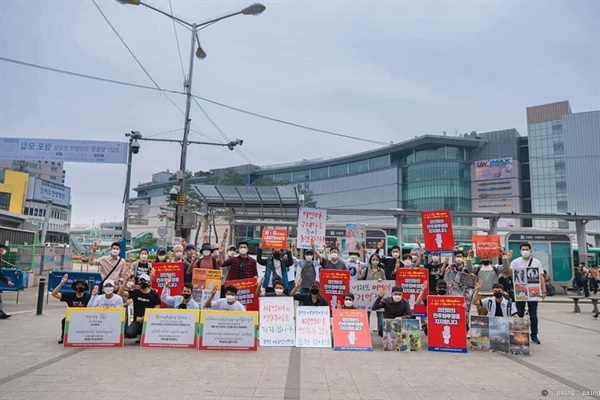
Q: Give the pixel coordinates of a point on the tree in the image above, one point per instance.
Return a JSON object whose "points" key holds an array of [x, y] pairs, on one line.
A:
{"points": [[264, 181], [232, 178], [146, 242]]}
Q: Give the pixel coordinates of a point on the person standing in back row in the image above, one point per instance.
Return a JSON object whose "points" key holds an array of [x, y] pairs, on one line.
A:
{"points": [[241, 267], [111, 266]]}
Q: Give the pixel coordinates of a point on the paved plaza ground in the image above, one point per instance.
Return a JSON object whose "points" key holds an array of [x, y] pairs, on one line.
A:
{"points": [[33, 366]]}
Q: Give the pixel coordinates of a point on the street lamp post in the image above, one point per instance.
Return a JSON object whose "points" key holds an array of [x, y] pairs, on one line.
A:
{"points": [[133, 148], [254, 9]]}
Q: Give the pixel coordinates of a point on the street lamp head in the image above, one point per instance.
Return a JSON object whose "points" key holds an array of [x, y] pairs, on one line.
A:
{"points": [[133, 2], [254, 9], [200, 53]]}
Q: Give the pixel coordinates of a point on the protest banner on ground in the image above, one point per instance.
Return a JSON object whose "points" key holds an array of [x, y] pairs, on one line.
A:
{"points": [[500, 335], [311, 226], [355, 238], [162, 271], [461, 284], [526, 282], [486, 246], [94, 327], [351, 330], [446, 324], [437, 231], [402, 335], [313, 327], [366, 292], [334, 283], [274, 238], [228, 330], [410, 280], [246, 292], [170, 328], [277, 327], [206, 279]]}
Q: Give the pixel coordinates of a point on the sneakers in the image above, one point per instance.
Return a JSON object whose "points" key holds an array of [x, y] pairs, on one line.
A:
{"points": [[535, 339], [5, 316], [595, 316], [60, 341]]}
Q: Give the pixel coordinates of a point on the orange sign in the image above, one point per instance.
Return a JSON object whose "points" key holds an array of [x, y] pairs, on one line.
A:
{"points": [[206, 279], [274, 239], [351, 330], [486, 246]]}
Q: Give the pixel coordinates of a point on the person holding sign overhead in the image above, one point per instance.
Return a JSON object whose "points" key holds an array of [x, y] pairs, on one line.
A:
{"points": [[183, 302], [394, 307], [143, 298], [229, 303], [78, 299], [109, 299]]}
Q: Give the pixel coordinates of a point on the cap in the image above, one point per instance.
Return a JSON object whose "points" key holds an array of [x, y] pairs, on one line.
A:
{"points": [[87, 287], [351, 295], [206, 246], [315, 283], [397, 289], [354, 253], [144, 277], [308, 252], [161, 251], [190, 247], [232, 248], [441, 282], [109, 282]]}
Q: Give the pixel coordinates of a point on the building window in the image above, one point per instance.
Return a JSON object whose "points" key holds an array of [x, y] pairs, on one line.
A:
{"points": [[455, 153], [282, 177], [338, 170], [319, 173], [379, 162], [357, 167], [54, 169], [299, 176]]}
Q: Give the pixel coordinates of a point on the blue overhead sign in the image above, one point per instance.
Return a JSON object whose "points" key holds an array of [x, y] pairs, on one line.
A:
{"points": [[61, 150]]}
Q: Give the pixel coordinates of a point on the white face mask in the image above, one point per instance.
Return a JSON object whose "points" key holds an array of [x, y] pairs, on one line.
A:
{"points": [[3, 252], [178, 254], [459, 260], [435, 259], [243, 251], [143, 257], [108, 290], [395, 254], [278, 292], [334, 256], [129, 285], [309, 258], [396, 298], [414, 258], [230, 299], [231, 253], [115, 252], [375, 263], [161, 258], [216, 253], [526, 253], [206, 253], [348, 303], [353, 258]]}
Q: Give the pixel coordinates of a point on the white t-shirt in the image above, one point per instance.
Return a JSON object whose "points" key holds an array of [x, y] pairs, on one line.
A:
{"points": [[115, 301], [222, 304], [520, 263]]}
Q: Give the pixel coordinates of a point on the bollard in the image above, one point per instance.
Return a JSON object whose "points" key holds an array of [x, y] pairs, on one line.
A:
{"points": [[40, 299]]}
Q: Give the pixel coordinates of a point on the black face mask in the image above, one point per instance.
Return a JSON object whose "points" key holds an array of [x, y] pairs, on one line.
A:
{"points": [[144, 285], [486, 263], [441, 291], [498, 295], [187, 295], [80, 289], [314, 291], [276, 256]]}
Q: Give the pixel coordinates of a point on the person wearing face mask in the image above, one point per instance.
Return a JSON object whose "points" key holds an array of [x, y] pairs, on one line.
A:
{"points": [[143, 266], [80, 297], [109, 299], [390, 264], [394, 307], [333, 261], [229, 303], [208, 260], [278, 291], [177, 253], [242, 266], [527, 261], [355, 266], [111, 266], [348, 302], [497, 306], [461, 264], [435, 268], [308, 270], [161, 255], [183, 302], [375, 272], [279, 267], [142, 298], [312, 298], [440, 289], [188, 259]]}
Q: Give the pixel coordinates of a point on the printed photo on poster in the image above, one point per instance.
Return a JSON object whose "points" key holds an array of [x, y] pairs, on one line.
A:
{"points": [[500, 335], [480, 333], [533, 275], [402, 335]]}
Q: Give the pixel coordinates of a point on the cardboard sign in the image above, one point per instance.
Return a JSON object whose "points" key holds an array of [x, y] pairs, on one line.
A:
{"points": [[277, 327], [246, 292], [526, 282], [500, 335], [161, 272], [402, 335], [274, 239], [351, 330], [446, 324], [461, 284], [170, 328], [228, 330], [94, 327], [206, 279], [355, 238], [437, 230], [366, 292], [334, 283], [311, 226], [313, 327], [486, 246], [410, 280], [200, 296]]}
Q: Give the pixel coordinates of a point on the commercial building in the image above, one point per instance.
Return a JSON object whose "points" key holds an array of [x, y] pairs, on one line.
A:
{"points": [[13, 188], [48, 170]]}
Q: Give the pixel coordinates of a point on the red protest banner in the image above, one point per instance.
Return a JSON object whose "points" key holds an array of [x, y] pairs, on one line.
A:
{"points": [[446, 324], [274, 239], [486, 246], [246, 292], [164, 270], [334, 283], [410, 280], [351, 330], [437, 230]]}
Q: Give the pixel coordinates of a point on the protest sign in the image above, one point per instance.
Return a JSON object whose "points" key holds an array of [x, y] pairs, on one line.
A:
{"points": [[486, 246], [94, 327], [170, 328], [313, 327], [200, 296], [351, 330], [526, 282], [446, 324], [228, 330], [355, 237], [311, 226], [334, 283], [461, 284], [500, 335], [366, 292], [437, 230], [246, 292], [162, 271], [402, 335], [410, 280], [277, 327], [274, 238], [206, 279]]}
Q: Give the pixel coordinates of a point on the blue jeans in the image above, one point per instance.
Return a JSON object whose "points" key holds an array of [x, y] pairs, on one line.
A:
{"points": [[379, 322], [532, 306]]}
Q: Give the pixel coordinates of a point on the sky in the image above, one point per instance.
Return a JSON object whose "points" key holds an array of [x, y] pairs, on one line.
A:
{"points": [[383, 70]]}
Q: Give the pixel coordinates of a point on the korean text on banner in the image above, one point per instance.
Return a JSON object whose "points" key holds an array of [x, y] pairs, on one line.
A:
{"points": [[228, 330], [334, 283], [366, 292], [246, 292], [277, 327], [437, 230], [446, 324], [410, 280], [351, 330], [500, 335], [274, 238], [161, 272], [94, 327], [486, 246], [311, 226], [206, 279], [313, 327], [170, 328]]}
